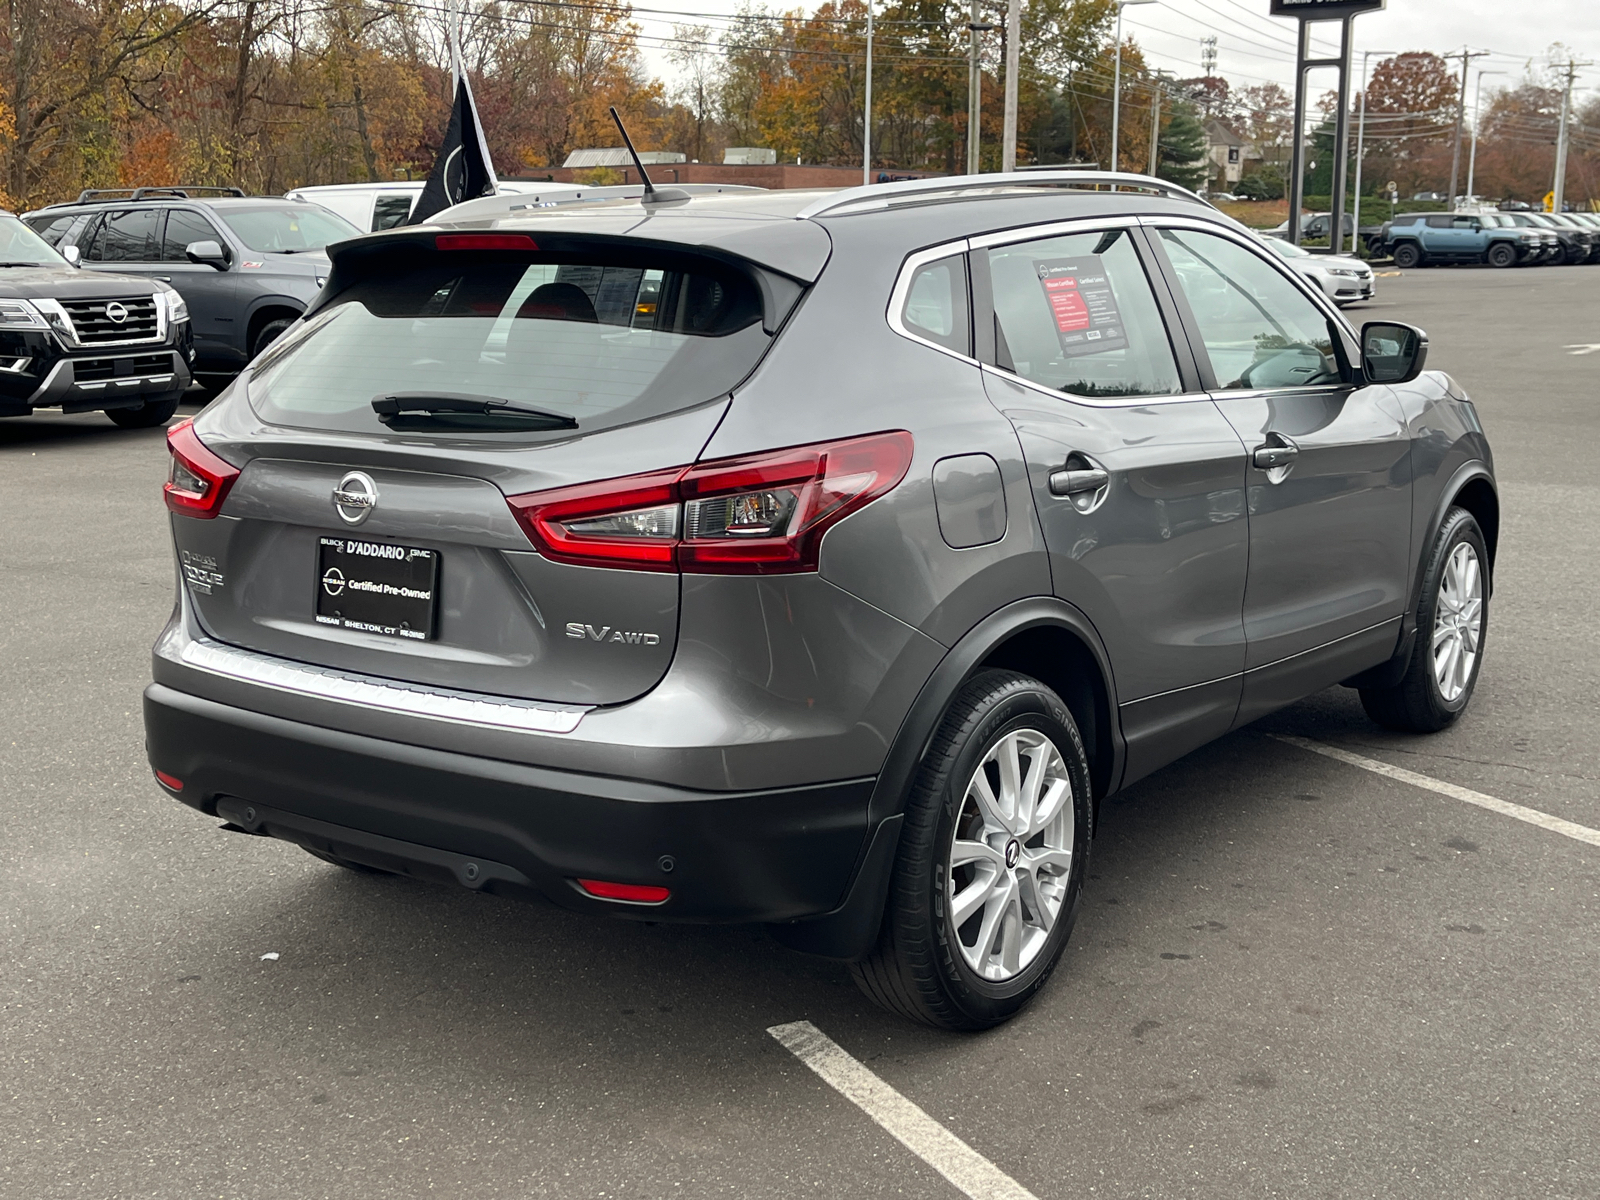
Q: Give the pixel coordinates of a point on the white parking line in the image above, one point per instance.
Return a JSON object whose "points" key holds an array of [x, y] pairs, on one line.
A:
{"points": [[1532, 816], [921, 1134]]}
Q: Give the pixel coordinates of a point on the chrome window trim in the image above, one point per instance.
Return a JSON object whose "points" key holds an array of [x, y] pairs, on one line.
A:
{"points": [[1096, 401], [365, 691], [1033, 233], [902, 288]]}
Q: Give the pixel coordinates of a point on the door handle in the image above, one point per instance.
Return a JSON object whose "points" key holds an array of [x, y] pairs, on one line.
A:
{"points": [[1279, 453], [1074, 483]]}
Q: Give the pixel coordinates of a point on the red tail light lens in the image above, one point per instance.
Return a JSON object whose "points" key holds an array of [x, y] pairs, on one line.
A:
{"points": [[630, 522], [635, 893], [199, 481], [759, 514], [169, 781]]}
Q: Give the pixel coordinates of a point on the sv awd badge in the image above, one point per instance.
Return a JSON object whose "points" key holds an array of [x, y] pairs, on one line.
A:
{"points": [[604, 633]]}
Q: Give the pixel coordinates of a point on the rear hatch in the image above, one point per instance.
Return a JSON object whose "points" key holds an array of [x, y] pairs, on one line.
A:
{"points": [[369, 529]]}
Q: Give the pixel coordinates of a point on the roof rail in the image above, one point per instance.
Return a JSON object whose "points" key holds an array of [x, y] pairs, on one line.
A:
{"points": [[179, 192], [914, 191]]}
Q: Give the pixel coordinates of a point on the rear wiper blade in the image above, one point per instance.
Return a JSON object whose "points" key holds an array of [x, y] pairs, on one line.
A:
{"points": [[455, 410], [23, 264]]}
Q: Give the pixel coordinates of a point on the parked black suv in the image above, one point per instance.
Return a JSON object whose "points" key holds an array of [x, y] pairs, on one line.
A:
{"points": [[83, 341], [246, 265]]}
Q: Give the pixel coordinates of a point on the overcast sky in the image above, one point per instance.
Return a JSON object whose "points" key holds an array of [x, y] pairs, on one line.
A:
{"points": [[1253, 47]]}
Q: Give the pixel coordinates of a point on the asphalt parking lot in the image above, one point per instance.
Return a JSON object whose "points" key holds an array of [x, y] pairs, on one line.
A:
{"points": [[1292, 977]]}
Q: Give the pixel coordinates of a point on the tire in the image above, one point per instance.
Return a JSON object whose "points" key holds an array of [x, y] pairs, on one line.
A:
{"points": [[269, 333], [358, 868], [147, 416], [1502, 254], [1563, 257], [1428, 696], [929, 967], [1407, 255]]}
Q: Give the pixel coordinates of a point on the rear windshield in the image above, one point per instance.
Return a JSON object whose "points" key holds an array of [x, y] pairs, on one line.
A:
{"points": [[604, 343], [287, 230]]}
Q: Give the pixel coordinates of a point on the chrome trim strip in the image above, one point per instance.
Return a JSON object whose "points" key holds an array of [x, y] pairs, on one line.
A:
{"points": [[1032, 233], [1095, 401], [49, 380], [367, 691]]}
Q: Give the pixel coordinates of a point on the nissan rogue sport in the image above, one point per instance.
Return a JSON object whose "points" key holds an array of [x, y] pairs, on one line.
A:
{"points": [[814, 559]]}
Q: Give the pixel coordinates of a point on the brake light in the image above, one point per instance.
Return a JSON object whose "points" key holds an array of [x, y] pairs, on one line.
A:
{"points": [[635, 893], [199, 480], [484, 241], [169, 781], [758, 514]]}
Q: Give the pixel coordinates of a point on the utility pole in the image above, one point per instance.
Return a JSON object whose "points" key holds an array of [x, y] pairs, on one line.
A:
{"points": [[974, 88], [1361, 142], [1008, 138], [1560, 185], [1477, 121], [1466, 56], [1116, 88], [866, 124], [1155, 126]]}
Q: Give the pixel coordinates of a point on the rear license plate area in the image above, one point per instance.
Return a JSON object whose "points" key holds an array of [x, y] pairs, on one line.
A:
{"points": [[377, 587]]}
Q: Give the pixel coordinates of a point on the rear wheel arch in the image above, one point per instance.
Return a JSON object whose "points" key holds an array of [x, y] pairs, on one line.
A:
{"points": [[264, 316], [1040, 636], [1060, 658]]}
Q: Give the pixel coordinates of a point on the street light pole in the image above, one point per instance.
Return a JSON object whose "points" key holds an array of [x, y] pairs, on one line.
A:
{"points": [[1477, 120], [1361, 139], [1116, 86], [974, 89]]}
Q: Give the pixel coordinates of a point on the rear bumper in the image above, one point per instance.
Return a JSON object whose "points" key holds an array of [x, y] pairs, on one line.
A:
{"points": [[768, 856]]}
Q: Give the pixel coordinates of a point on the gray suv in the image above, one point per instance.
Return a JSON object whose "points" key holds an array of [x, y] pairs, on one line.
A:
{"points": [[813, 559], [247, 266]]}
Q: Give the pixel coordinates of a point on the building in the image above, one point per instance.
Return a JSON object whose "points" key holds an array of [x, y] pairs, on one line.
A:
{"points": [[1230, 154]]}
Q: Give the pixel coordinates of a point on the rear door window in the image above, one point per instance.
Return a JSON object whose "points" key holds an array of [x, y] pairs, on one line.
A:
{"points": [[605, 342], [183, 228], [391, 210], [1075, 314], [130, 235]]}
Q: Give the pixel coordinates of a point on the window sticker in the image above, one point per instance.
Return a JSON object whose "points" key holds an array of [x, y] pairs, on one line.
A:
{"points": [[1082, 304]]}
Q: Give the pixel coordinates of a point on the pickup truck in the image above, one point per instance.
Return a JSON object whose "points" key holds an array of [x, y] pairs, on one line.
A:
{"points": [[1420, 239]]}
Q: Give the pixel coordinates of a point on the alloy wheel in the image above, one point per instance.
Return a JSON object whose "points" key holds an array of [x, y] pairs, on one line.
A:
{"points": [[1011, 855], [1457, 622]]}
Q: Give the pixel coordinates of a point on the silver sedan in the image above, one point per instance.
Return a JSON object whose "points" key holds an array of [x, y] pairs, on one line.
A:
{"points": [[1343, 280]]}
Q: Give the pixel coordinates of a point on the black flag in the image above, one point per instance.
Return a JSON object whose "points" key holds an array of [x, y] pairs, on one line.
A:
{"points": [[463, 170]]}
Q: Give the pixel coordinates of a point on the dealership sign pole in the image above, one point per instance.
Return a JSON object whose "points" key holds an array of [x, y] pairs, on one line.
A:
{"points": [[1306, 12]]}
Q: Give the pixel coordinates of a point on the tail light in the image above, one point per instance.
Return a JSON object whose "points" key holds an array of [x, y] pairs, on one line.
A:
{"points": [[759, 514], [199, 480], [633, 893]]}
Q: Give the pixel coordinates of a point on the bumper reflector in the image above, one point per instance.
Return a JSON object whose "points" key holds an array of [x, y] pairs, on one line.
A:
{"points": [[169, 781], [635, 893]]}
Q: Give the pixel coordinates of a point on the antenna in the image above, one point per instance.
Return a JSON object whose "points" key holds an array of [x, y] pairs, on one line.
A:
{"points": [[649, 188]]}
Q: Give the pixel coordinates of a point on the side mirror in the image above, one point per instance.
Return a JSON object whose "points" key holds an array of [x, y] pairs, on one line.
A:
{"points": [[73, 255], [208, 253], [1391, 352]]}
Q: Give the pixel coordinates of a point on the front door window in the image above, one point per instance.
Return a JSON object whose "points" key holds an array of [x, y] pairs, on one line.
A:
{"points": [[1259, 329]]}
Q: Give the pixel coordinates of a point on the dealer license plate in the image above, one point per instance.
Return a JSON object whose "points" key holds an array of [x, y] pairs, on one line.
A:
{"points": [[376, 587]]}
